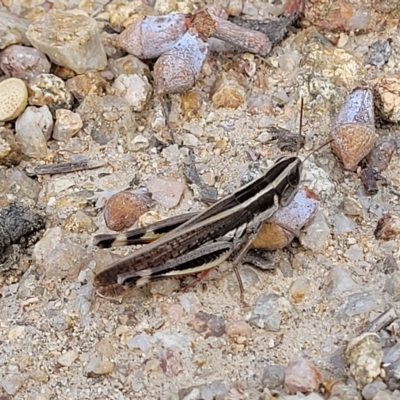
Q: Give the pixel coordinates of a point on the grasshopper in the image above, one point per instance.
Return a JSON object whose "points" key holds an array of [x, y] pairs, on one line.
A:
{"points": [[200, 241]]}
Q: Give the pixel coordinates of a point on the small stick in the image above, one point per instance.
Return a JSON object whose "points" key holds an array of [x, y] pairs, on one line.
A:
{"points": [[208, 23], [64, 167]]}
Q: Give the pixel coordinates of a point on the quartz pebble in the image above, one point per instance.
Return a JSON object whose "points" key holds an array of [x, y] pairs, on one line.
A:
{"points": [[66, 359], [91, 82], [388, 227], [359, 303], [238, 330], [12, 29], [339, 281], [13, 98], [317, 233], [123, 209], [10, 150], [166, 191], [11, 383], [69, 39], [23, 62], [33, 129], [300, 288], [227, 91], [135, 89], [268, 311], [364, 355], [301, 375], [106, 118], [50, 90], [67, 125]]}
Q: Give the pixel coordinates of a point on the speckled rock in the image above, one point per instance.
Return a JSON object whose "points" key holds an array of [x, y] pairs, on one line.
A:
{"points": [[70, 40], [106, 118], [364, 355], [49, 90], [23, 62]]}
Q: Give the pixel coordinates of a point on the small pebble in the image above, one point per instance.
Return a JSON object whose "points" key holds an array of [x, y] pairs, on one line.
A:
{"points": [[235, 329], [49, 90], [339, 281], [360, 303], [13, 98], [91, 82], [166, 191], [123, 209], [11, 383], [227, 92], [364, 356], [23, 62], [10, 150], [301, 375], [135, 89], [211, 325], [379, 52], [371, 389], [267, 311], [388, 227], [67, 358], [380, 156], [33, 129], [300, 288], [387, 96], [273, 376], [317, 233], [106, 118], [67, 125], [69, 39]]}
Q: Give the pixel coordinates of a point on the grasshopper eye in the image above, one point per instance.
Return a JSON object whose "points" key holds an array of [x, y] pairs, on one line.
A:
{"points": [[292, 184]]}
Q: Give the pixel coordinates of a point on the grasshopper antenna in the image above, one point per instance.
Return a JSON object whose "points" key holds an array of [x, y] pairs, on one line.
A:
{"points": [[301, 125], [317, 149]]}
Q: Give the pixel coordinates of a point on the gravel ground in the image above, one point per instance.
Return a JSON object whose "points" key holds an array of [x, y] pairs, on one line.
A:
{"points": [[58, 340]]}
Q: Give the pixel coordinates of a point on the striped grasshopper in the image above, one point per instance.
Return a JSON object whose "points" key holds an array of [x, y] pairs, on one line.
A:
{"points": [[200, 241]]}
